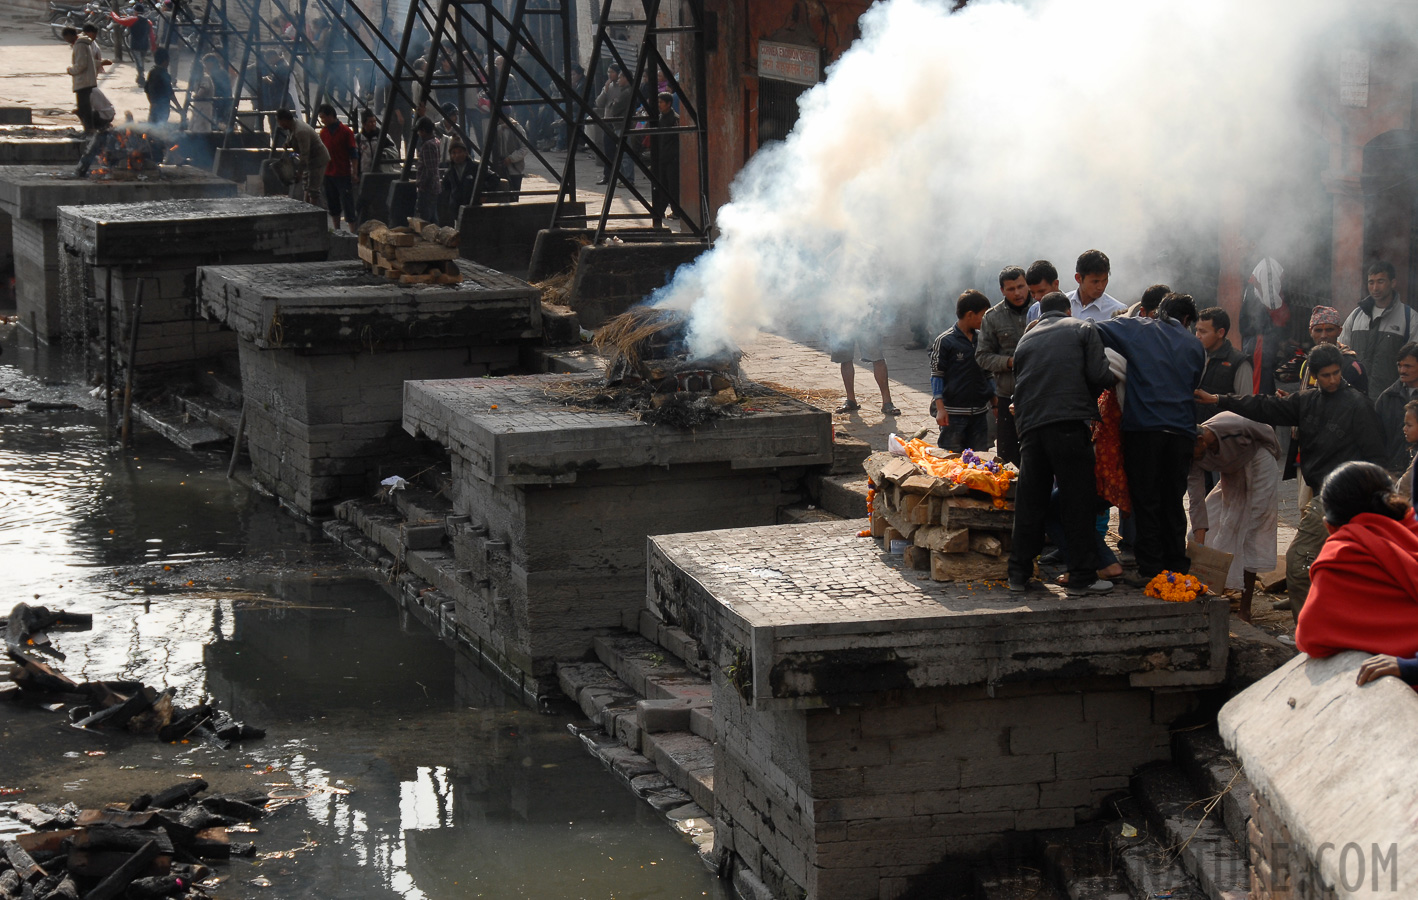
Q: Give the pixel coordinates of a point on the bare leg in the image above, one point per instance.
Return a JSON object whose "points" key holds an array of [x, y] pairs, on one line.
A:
{"points": [[1246, 595], [849, 382], [878, 369]]}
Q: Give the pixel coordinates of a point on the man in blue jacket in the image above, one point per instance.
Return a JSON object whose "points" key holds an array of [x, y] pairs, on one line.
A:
{"points": [[1060, 370], [1164, 367], [961, 391]]}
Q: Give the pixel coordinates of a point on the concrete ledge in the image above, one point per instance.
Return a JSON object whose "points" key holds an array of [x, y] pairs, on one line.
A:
{"points": [[1329, 763], [503, 235], [810, 615], [513, 432]]}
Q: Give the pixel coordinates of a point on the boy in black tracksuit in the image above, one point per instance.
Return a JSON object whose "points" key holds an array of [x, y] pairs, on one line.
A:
{"points": [[962, 391]]}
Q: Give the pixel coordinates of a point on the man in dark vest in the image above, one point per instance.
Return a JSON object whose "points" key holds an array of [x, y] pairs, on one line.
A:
{"points": [[1378, 327], [1227, 371]]}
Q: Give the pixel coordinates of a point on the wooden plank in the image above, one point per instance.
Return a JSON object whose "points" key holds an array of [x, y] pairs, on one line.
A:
{"points": [[417, 279], [113, 885], [425, 252]]}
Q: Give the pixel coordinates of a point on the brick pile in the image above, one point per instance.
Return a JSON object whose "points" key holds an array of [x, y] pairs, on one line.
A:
{"points": [[417, 253], [954, 532]]}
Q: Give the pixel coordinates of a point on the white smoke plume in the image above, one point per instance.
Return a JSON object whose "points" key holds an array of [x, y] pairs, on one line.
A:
{"points": [[945, 145]]}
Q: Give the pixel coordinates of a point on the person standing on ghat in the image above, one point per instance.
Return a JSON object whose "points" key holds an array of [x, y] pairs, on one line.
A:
{"points": [[1146, 306], [1335, 424], [1090, 300], [84, 72], [1164, 367], [1060, 370], [1241, 514], [1392, 404], [1378, 327], [1042, 279], [342, 170], [304, 140], [427, 179], [961, 390], [1000, 331]]}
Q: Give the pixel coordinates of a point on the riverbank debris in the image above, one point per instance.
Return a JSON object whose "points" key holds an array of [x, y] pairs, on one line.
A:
{"points": [[106, 705], [156, 845]]}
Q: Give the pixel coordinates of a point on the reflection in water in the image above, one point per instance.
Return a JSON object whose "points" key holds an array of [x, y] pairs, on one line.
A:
{"points": [[454, 790]]}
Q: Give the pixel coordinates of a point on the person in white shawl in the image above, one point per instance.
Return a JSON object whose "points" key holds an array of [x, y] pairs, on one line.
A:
{"points": [[1240, 515]]}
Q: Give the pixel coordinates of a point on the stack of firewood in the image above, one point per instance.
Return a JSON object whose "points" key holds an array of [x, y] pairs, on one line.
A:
{"points": [[417, 253], [955, 533]]}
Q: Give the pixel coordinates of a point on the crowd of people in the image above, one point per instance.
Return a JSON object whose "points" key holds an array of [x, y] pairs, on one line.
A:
{"points": [[1150, 408]]}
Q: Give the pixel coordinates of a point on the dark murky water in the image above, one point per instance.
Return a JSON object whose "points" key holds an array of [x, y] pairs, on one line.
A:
{"points": [[425, 780]]}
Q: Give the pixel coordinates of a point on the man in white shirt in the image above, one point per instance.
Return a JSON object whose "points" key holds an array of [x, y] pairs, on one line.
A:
{"points": [[1090, 301]]}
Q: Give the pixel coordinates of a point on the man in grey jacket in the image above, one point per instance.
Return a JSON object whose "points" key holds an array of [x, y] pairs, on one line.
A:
{"points": [[1000, 332], [1059, 371]]}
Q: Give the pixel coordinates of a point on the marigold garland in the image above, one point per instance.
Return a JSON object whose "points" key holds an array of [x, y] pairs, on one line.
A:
{"points": [[1174, 588], [985, 475], [871, 498]]}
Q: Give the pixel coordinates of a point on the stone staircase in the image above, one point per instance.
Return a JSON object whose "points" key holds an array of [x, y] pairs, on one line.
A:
{"points": [[1182, 834], [651, 722]]}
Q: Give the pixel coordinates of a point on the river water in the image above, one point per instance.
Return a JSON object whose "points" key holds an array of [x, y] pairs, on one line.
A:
{"points": [[418, 776]]}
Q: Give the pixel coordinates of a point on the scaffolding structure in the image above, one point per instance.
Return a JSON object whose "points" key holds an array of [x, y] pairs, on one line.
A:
{"points": [[504, 64]]}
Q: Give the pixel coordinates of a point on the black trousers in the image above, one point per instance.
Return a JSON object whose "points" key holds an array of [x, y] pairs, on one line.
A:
{"points": [[86, 109], [1157, 463], [1006, 437], [1062, 451]]}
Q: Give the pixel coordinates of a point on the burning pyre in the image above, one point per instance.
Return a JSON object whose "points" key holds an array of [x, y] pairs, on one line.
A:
{"points": [[650, 372], [120, 154]]}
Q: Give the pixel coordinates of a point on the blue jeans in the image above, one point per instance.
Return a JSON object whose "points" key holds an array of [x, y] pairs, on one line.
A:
{"points": [[966, 433]]}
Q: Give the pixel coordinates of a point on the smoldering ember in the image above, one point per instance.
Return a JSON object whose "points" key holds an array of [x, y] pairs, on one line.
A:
{"points": [[761, 450]]}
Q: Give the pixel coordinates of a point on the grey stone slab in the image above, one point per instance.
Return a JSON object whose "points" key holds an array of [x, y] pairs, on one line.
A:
{"points": [[518, 430], [210, 230], [815, 613], [329, 304], [1331, 760], [37, 192]]}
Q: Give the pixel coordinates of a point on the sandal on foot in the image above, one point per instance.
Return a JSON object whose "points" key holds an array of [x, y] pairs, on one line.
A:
{"points": [[889, 409], [849, 406]]}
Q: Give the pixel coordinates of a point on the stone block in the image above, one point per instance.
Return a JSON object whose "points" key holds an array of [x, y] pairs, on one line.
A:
{"points": [[1036, 739], [667, 715], [999, 798], [610, 278], [1044, 819], [421, 537], [1037, 767], [15, 115]]}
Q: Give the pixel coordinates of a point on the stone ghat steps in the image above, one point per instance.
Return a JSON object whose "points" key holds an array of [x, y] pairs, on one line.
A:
{"points": [[169, 418], [1015, 886], [651, 724], [1181, 835]]}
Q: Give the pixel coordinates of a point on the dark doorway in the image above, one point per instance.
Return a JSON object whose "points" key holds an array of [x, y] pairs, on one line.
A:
{"points": [[777, 108]]}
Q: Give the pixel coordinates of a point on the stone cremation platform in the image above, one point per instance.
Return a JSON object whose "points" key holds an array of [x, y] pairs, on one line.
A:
{"points": [[560, 497], [32, 196], [111, 247], [325, 349], [25, 144], [872, 723]]}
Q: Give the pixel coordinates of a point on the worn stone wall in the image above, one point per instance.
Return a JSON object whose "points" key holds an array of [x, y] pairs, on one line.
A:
{"points": [[1279, 869], [556, 565], [36, 249], [866, 802], [320, 426], [170, 333]]}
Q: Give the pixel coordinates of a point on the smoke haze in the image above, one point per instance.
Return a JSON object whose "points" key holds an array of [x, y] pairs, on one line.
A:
{"points": [[943, 146]]}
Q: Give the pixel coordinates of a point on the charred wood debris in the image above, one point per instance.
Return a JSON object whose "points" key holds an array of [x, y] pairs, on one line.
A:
{"points": [[154, 845]]}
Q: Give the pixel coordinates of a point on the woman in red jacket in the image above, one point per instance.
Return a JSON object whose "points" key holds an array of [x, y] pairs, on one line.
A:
{"points": [[1364, 583]]}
